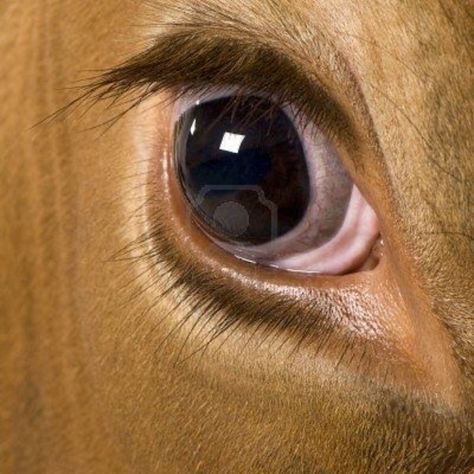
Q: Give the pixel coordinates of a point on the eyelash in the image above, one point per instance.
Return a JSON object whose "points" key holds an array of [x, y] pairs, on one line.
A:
{"points": [[219, 307], [217, 302], [211, 303], [124, 87], [297, 113]]}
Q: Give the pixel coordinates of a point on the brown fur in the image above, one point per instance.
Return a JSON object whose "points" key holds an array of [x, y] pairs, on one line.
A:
{"points": [[102, 370]]}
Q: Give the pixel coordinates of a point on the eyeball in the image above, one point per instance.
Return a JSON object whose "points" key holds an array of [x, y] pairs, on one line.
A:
{"points": [[268, 190]]}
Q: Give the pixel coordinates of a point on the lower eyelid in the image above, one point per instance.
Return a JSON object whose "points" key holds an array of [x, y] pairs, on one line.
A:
{"points": [[246, 294]]}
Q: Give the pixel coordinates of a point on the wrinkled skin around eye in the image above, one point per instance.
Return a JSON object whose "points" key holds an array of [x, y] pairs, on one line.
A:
{"points": [[268, 190]]}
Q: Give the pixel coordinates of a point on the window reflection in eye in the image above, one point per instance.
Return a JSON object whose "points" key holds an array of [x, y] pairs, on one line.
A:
{"points": [[268, 189]]}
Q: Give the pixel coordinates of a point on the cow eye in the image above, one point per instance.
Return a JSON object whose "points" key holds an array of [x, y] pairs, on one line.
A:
{"points": [[269, 190]]}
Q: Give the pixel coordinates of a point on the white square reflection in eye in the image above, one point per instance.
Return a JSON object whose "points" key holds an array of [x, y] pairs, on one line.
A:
{"points": [[231, 142], [193, 127]]}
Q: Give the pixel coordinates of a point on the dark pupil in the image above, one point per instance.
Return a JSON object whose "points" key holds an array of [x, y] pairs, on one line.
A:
{"points": [[243, 168]]}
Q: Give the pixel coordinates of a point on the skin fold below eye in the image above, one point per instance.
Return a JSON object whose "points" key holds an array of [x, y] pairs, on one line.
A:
{"points": [[270, 189]]}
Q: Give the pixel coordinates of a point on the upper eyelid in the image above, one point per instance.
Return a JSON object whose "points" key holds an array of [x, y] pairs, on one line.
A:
{"points": [[191, 99], [191, 60]]}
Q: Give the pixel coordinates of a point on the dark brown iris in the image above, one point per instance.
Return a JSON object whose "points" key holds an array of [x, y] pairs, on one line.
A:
{"points": [[243, 169]]}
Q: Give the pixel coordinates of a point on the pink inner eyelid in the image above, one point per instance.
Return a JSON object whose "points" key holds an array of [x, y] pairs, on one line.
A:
{"points": [[353, 242], [347, 250]]}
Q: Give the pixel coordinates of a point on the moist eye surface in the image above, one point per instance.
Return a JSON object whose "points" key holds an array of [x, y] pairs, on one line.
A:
{"points": [[242, 167], [268, 189]]}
